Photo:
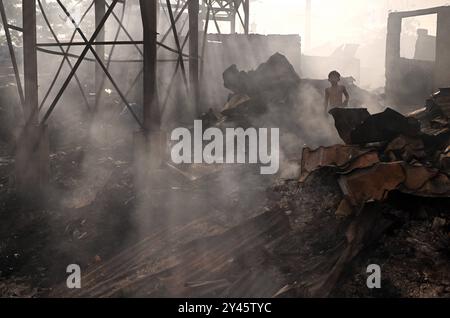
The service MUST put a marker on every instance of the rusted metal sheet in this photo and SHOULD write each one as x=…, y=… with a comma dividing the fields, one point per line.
x=364, y=161
x=347, y=158
x=374, y=184
x=416, y=176
x=400, y=153
x=405, y=148
x=438, y=186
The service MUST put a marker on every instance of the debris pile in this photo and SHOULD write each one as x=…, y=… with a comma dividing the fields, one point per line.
x=386, y=152
x=273, y=78
x=413, y=256
x=275, y=85
x=254, y=92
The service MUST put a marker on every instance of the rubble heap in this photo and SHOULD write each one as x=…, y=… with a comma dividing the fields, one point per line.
x=254, y=91
x=277, y=75
x=275, y=84
x=386, y=152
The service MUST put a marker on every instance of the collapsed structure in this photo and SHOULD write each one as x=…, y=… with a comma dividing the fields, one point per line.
x=307, y=232
x=410, y=80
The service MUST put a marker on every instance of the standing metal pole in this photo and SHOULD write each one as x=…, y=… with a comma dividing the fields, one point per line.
x=194, y=53
x=30, y=61
x=233, y=21
x=100, y=10
x=149, y=143
x=32, y=151
x=205, y=40
x=152, y=116
x=246, y=4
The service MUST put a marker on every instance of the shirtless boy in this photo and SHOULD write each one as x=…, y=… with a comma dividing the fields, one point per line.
x=334, y=94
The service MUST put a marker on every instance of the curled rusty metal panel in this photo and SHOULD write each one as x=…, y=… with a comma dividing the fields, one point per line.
x=372, y=184
x=405, y=148
x=346, y=158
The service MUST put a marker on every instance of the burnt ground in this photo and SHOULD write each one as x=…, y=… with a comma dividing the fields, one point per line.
x=39, y=238
x=89, y=215
x=413, y=253
x=90, y=226
x=412, y=250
